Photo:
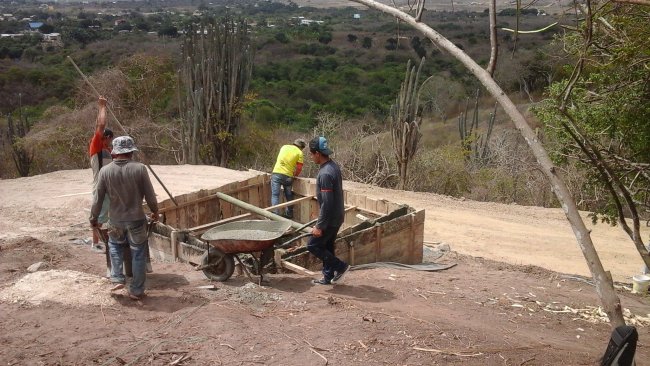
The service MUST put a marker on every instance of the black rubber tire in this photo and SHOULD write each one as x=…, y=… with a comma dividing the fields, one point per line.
x=224, y=270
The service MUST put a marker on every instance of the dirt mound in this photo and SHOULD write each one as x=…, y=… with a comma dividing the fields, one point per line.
x=24, y=242
x=65, y=287
x=16, y=254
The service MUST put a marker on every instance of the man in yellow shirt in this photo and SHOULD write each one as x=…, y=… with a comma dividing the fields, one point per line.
x=287, y=166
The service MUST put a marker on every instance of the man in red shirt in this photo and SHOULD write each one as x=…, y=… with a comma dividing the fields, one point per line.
x=100, y=156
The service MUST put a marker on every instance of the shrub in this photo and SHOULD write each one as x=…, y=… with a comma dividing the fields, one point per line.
x=441, y=170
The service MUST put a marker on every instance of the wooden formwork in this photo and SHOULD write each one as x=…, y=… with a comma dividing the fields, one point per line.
x=373, y=230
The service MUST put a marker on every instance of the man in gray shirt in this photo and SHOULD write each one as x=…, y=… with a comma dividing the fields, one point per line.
x=329, y=192
x=126, y=182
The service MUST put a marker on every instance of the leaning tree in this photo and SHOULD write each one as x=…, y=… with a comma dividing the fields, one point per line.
x=215, y=75
x=602, y=279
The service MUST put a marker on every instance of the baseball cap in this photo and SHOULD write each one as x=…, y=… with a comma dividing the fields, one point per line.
x=300, y=143
x=320, y=144
x=123, y=145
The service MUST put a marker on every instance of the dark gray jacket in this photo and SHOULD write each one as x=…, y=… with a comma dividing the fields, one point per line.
x=329, y=192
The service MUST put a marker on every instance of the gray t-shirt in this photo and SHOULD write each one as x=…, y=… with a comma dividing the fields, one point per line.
x=126, y=182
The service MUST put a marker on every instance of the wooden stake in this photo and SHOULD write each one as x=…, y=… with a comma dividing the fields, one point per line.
x=296, y=268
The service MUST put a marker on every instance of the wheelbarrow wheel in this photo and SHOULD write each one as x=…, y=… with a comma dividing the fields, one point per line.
x=220, y=266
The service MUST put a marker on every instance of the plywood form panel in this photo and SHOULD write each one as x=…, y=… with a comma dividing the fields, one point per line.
x=202, y=210
x=350, y=218
x=363, y=244
x=382, y=206
x=181, y=213
x=342, y=250
x=265, y=189
x=213, y=210
x=226, y=209
x=189, y=254
x=254, y=192
x=418, y=237
x=171, y=218
x=301, y=186
x=160, y=243
x=308, y=261
x=191, y=210
x=371, y=204
x=359, y=201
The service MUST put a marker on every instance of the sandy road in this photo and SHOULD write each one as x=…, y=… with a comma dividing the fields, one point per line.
x=51, y=203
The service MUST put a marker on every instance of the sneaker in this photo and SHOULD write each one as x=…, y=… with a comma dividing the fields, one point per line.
x=322, y=281
x=97, y=248
x=338, y=277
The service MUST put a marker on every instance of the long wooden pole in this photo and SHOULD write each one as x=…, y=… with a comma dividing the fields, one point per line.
x=121, y=127
x=260, y=211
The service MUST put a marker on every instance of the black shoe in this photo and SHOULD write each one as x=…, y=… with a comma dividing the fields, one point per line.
x=322, y=281
x=338, y=277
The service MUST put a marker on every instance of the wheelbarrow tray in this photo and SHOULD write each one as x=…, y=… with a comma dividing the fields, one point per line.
x=246, y=236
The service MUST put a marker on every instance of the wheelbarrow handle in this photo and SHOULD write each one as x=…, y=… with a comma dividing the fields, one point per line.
x=294, y=239
x=305, y=225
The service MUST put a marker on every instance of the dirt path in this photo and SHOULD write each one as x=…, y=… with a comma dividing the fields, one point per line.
x=516, y=234
x=492, y=308
x=509, y=233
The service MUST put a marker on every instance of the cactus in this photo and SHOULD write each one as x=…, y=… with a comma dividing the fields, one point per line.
x=216, y=74
x=405, y=120
x=473, y=143
x=16, y=133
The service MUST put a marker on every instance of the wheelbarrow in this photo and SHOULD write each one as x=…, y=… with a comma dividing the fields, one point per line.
x=250, y=236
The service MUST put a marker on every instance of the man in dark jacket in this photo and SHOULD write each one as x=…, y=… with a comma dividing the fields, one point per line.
x=126, y=182
x=329, y=192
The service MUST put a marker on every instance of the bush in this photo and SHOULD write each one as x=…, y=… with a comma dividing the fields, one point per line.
x=282, y=37
x=441, y=171
x=366, y=43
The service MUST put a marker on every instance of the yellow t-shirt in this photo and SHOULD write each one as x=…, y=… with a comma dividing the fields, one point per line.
x=288, y=157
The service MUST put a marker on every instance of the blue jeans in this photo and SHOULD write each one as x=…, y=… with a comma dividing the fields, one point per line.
x=323, y=249
x=133, y=234
x=281, y=181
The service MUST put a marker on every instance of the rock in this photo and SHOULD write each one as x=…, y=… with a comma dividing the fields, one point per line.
x=443, y=247
x=36, y=267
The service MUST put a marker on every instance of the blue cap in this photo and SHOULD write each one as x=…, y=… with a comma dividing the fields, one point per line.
x=320, y=144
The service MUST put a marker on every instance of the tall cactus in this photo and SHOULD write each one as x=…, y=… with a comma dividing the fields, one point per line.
x=473, y=143
x=216, y=73
x=405, y=119
x=16, y=133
